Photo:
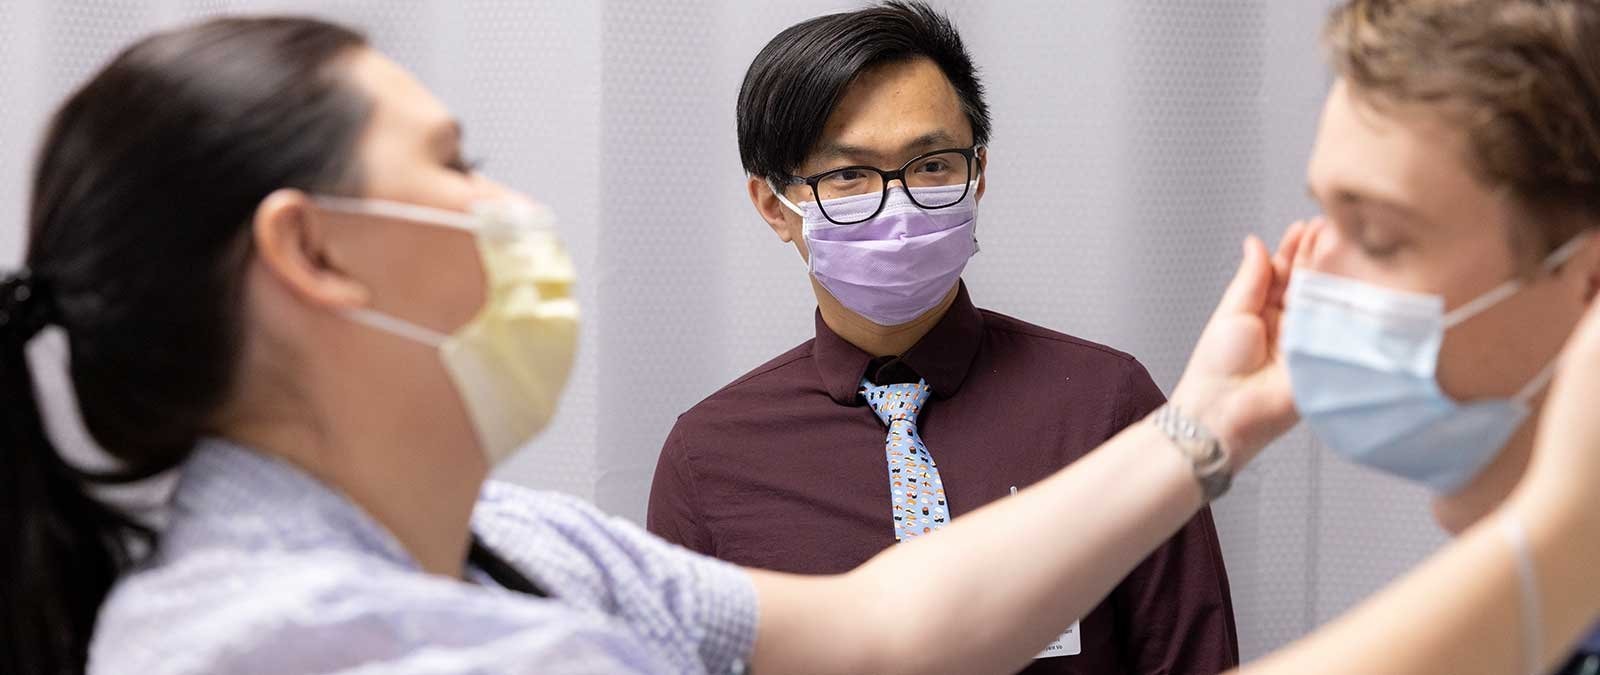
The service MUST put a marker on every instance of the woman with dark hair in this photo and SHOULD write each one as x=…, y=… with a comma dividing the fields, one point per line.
x=275, y=273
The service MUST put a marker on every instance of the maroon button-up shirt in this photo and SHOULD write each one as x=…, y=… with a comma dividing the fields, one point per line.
x=784, y=469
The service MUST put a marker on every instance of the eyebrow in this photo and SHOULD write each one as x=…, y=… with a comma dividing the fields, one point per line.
x=1355, y=198
x=930, y=141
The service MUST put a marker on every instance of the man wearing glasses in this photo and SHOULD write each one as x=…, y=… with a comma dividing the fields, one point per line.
x=863, y=135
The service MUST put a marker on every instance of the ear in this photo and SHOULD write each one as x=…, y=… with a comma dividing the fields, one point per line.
x=291, y=239
x=782, y=221
x=983, y=173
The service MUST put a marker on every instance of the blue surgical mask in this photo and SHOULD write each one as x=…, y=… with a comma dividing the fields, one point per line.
x=1363, y=363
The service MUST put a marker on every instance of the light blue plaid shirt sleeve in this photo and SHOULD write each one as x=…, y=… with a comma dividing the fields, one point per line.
x=662, y=591
x=265, y=570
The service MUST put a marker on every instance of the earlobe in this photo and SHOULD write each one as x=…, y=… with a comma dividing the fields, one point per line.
x=290, y=237
x=771, y=209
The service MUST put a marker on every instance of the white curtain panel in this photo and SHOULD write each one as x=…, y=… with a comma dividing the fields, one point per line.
x=1136, y=142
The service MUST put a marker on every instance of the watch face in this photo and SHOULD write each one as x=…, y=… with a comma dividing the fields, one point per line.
x=1204, y=451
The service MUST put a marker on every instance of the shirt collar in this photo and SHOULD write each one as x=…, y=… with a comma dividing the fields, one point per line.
x=232, y=495
x=942, y=357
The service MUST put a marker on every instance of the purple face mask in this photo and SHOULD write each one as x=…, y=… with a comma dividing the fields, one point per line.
x=901, y=263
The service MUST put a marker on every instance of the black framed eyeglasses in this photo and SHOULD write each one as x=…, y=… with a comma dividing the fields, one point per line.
x=947, y=168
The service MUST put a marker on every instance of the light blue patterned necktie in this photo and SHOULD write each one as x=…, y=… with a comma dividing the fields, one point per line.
x=915, y=489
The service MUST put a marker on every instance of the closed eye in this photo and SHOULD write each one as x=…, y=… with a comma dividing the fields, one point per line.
x=463, y=165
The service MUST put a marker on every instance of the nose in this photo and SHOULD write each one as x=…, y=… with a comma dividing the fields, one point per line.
x=488, y=189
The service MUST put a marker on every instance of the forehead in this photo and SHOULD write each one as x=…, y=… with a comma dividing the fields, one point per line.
x=895, y=103
x=1403, y=153
x=400, y=103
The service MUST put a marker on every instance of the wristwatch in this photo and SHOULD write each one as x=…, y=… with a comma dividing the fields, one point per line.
x=1203, y=449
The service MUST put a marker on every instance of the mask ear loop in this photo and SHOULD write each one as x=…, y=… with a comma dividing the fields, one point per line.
x=785, y=201
x=399, y=211
x=1483, y=302
x=1538, y=383
x=805, y=228
x=397, y=327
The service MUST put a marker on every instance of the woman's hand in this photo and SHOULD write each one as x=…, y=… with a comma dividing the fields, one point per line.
x=1236, y=384
x=1564, y=471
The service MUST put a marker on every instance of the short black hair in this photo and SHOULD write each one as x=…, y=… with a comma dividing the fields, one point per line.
x=796, y=81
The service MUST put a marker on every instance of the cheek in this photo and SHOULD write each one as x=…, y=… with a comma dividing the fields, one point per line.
x=433, y=278
x=1498, y=352
x=464, y=286
x=1475, y=360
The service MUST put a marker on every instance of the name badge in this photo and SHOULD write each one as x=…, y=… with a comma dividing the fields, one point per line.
x=1066, y=645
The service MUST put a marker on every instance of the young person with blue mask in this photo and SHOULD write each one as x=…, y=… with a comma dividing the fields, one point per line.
x=275, y=274
x=1458, y=164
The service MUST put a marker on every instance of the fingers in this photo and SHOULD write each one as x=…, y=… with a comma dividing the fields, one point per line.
x=1248, y=290
x=1289, y=247
x=1306, y=253
x=1283, y=263
x=1564, y=465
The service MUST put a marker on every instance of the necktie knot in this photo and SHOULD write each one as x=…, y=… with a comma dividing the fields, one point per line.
x=896, y=402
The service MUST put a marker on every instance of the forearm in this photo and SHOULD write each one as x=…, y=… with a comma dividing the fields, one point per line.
x=1460, y=612
x=995, y=586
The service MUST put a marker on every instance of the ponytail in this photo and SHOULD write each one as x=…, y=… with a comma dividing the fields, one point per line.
x=138, y=242
x=62, y=547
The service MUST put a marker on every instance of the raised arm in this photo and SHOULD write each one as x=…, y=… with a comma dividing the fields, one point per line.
x=994, y=587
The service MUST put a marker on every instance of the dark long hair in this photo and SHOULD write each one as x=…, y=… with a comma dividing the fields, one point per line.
x=138, y=238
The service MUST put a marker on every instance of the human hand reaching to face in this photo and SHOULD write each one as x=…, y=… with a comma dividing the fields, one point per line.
x=1236, y=383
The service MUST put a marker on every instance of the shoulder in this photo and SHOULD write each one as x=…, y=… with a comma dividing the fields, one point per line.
x=1044, y=360
x=553, y=529
x=684, y=600
x=779, y=368
x=1052, y=344
x=570, y=545
x=224, y=611
x=775, y=381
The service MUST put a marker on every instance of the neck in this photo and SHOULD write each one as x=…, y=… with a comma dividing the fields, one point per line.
x=1459, y=511
x=875, y=339
x=405, y=469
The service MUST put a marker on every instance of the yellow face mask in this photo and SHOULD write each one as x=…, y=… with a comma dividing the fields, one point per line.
x=511, y=361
